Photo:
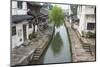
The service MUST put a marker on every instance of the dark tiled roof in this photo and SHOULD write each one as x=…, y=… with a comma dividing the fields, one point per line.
x=35, y=13
x=17, y=18
x=35, y=4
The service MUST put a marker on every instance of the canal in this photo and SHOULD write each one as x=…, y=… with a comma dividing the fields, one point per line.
x=58, y=50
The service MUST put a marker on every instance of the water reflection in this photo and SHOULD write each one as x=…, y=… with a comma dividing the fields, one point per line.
x=58, y=50
x=56, y=44
x=58, y=24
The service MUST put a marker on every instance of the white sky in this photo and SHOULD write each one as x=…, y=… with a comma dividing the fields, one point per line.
x=86, y=2
x=62, y=6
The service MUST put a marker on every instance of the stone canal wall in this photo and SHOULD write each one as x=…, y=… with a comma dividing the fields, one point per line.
x=69, y=41
x=40, y=50
x=79, y=54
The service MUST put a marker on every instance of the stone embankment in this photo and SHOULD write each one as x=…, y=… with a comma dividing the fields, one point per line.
x=24, y=54
x=79, y=54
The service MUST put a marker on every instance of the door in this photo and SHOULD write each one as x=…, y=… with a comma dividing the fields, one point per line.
x=24, y=32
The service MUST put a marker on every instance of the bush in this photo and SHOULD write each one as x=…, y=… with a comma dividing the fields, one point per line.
x=32, y=35
x=88, y=34
x=83, y=34
x=91, y=34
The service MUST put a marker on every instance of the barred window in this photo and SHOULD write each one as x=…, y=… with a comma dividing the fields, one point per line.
x=30, y=24
x=19, y=4
x=90, y=26
x=43, y=20
x=13, y=30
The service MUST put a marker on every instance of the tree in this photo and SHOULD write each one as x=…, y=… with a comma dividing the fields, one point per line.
x=56, y=15
x=56, y=44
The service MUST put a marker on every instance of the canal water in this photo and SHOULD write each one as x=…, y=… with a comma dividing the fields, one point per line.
x=58, y=50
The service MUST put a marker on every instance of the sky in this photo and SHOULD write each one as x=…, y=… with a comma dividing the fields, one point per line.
x=62, y=6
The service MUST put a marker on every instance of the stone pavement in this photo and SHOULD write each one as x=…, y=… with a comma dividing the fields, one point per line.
x=89, y=44
x=22, y=55
x=78, y=53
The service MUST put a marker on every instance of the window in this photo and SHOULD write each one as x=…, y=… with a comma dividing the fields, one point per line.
x=43, y=20
x=90, y=26
x=13, y=30
x=19, y=4
x=30, y=24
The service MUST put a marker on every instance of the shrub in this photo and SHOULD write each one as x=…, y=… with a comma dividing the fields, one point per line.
x=32, y=35
x=91, y=34
x=83, y=34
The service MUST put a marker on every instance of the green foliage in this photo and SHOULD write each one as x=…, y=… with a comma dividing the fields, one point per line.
x=91, y=34
x=32, y=35
x=56, y=15
x=83, y=33
x=56, y=44
x=88, y=34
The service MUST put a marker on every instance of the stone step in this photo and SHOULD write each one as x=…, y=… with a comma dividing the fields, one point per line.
x=87, y=50
x=37, y=54
x=38, y=49
x=86, y=45
x=36, y=58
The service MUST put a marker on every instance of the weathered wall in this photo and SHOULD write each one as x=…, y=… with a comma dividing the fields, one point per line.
x=17, y=11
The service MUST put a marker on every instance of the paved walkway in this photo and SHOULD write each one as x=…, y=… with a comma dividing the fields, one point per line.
x=23, y=54
x=78, y=53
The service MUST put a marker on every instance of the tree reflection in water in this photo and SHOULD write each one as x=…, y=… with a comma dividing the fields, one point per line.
x=56, y=44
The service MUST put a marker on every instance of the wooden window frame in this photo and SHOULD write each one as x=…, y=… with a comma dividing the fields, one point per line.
x=30, y=24
x=20, y=4
x=13, y=30
x=92, y=27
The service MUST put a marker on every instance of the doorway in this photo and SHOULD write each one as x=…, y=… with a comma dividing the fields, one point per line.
x=24, y=32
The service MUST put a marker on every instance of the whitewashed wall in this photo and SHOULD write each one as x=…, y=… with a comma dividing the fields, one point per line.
x=90, y=18
x=19, y=27
x=19, y=35
x=84, y=19
x=17, y=11
x=29, y=30
x=89, y=9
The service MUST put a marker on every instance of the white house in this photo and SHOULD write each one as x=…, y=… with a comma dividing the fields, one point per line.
x=86, y=15
x=70, y=13
x=40, y=14
x=21, y=25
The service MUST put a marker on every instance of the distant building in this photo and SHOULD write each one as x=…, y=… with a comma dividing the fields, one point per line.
x=73, y=13
x=40, y=14
x=21, y=25
x=87, y=20
x=47, y=6
x=70, y=13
